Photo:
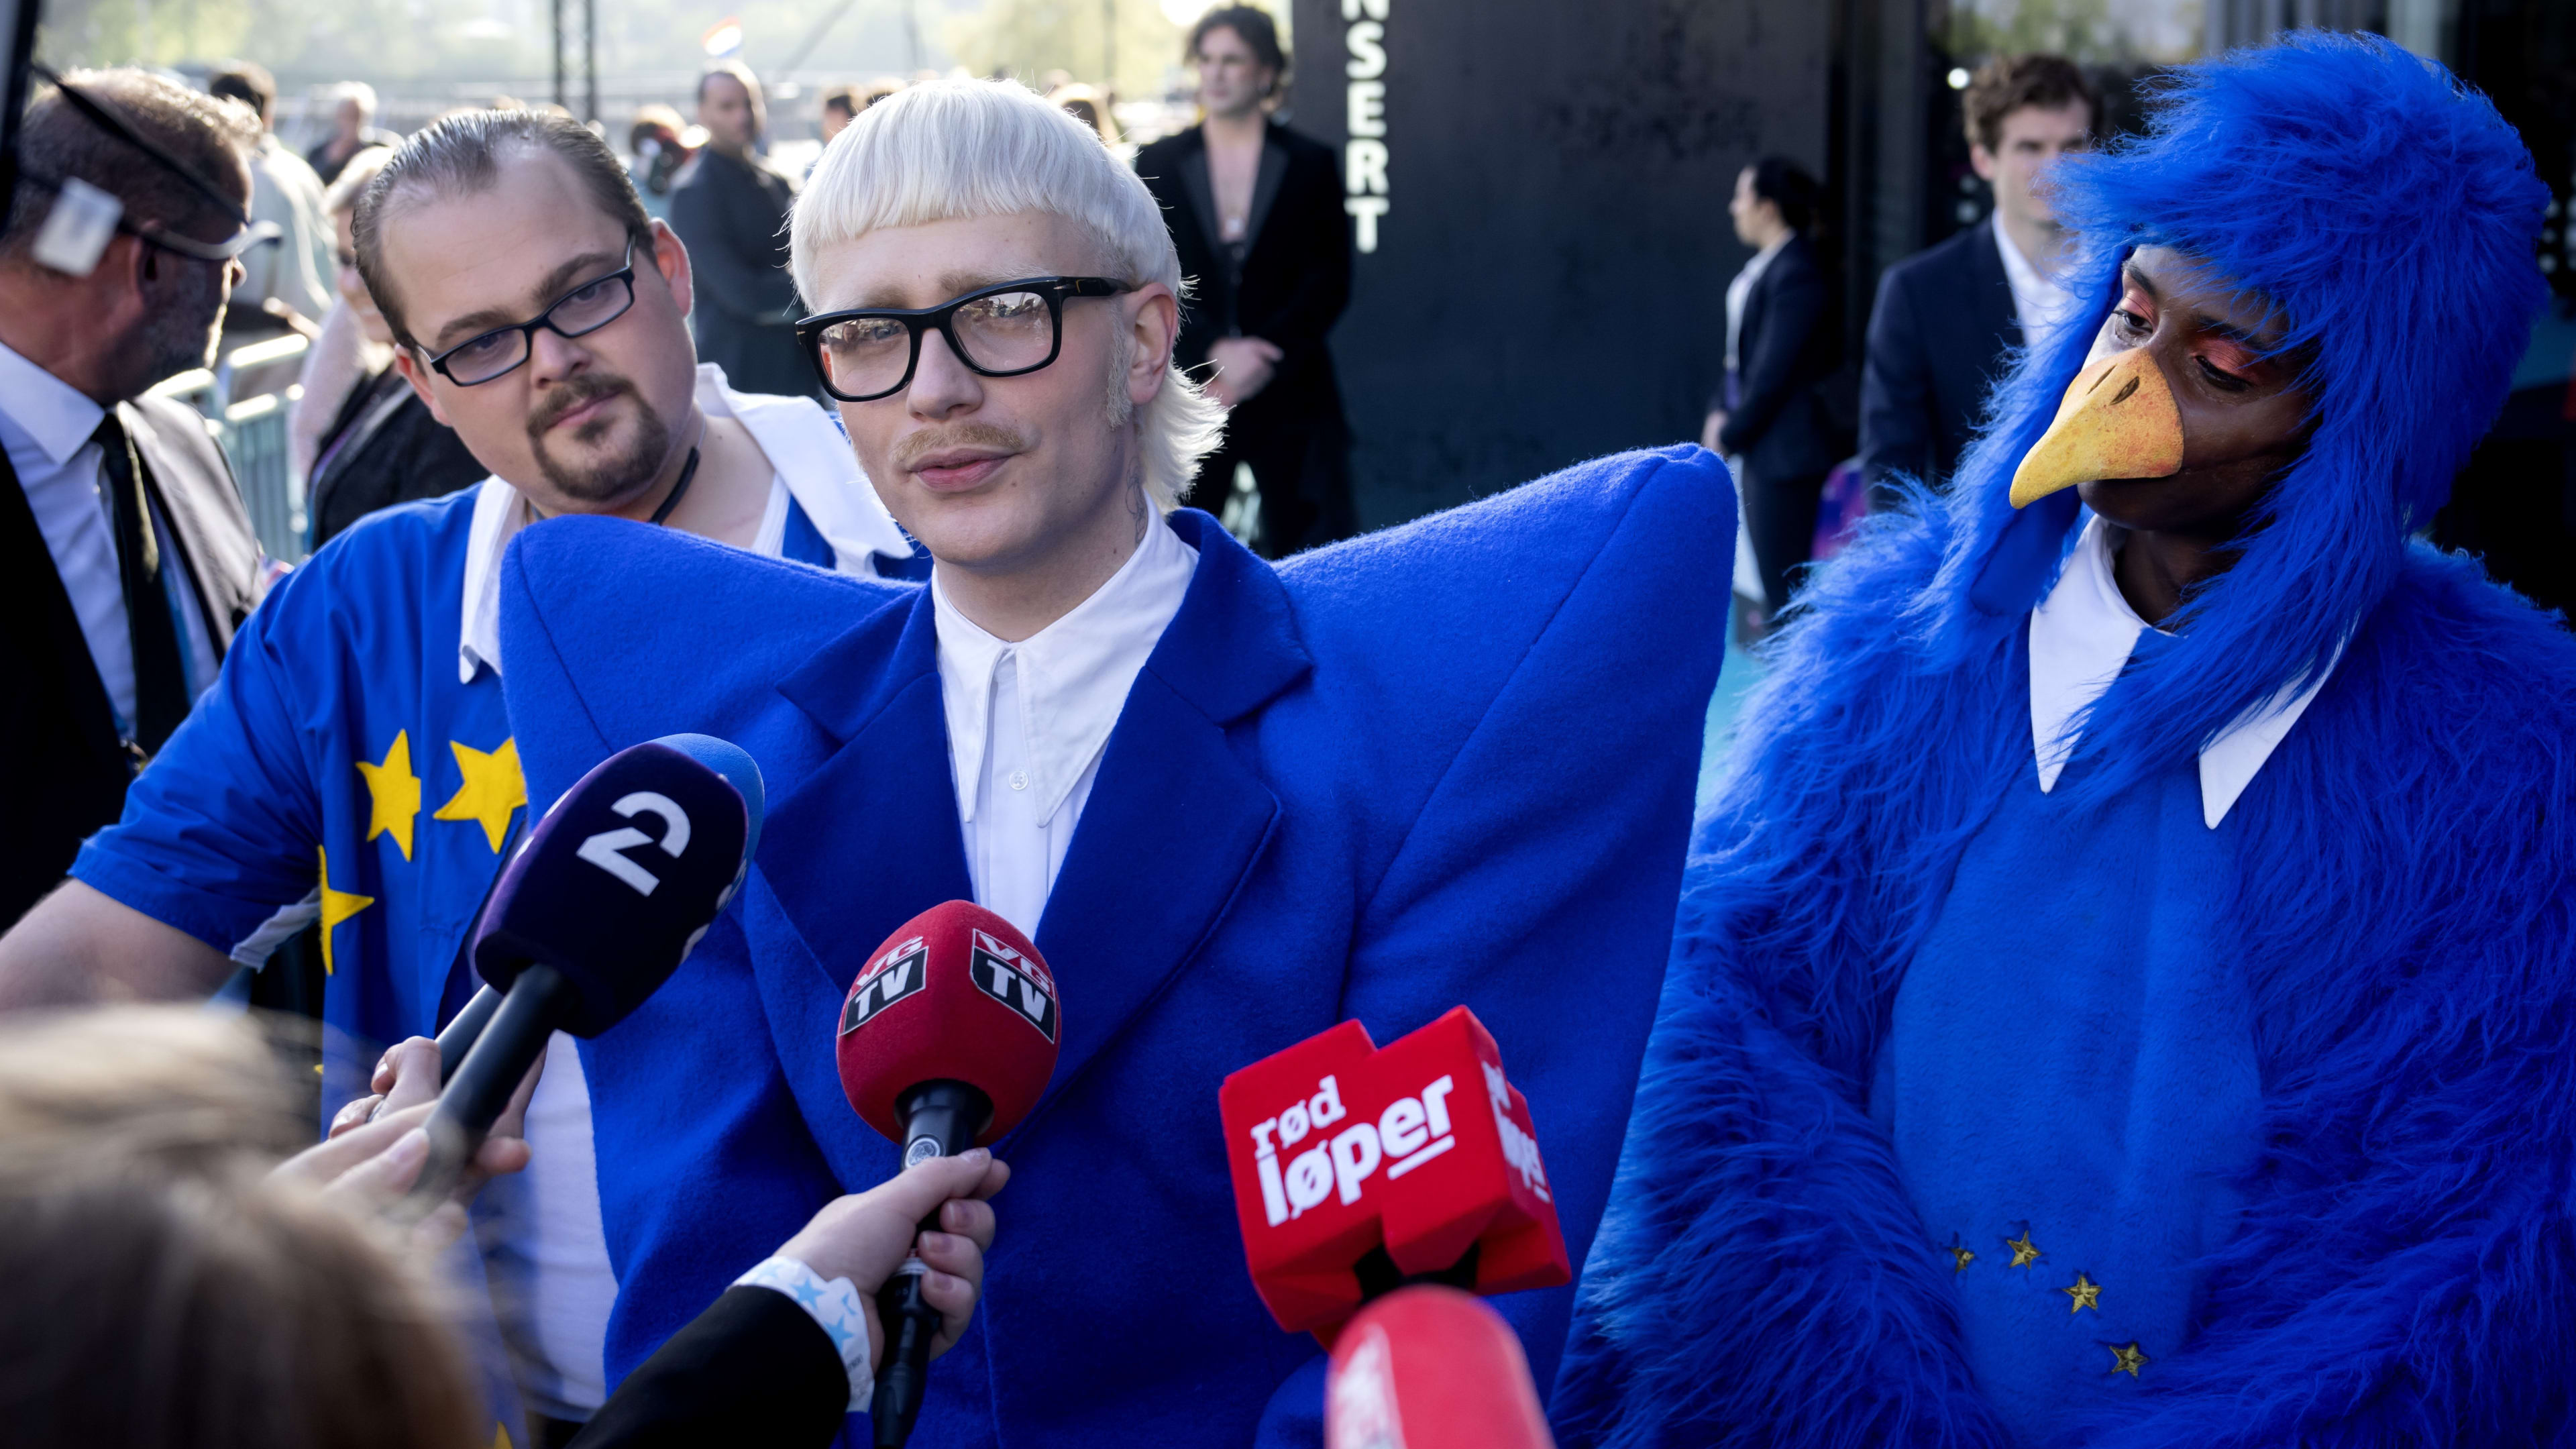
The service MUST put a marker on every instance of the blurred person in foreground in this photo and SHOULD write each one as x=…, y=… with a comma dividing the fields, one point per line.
x=657, y=146
x=1947, y=320
x=1234, y=802
x=174, y=1285
x=2125, y=994
x=284, y=286
x=131, y=560
x=1782, y=341
x=378, y=444
x=355, y=761
x=353, y=129
x=1256, y=213
x=730, y=207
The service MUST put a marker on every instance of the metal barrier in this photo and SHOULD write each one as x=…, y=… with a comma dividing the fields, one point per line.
x=252, y=433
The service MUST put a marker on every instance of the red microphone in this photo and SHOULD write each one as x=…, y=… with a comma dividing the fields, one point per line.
x=1356, y=1168
x=1428, y=1367
x=947, y=1039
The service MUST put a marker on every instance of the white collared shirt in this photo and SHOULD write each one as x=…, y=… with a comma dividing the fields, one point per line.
x=2041, y=303
x=1740, y=289
x=46, y=423
x=1027, y=722
x=812, y=465
x=2081, y=636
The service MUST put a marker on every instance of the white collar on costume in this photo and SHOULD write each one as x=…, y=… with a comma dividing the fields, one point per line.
x=2080, y=637
x=1073, y=675
x=806, y=453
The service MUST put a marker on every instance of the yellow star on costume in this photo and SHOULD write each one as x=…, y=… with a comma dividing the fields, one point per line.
x=2127, y=1359
x=393, y=793
x=493, y=788
x=2086, y=1293
x=500, y=1436
x=1960, y=1252
x=337, y=906
x=2024, y=1254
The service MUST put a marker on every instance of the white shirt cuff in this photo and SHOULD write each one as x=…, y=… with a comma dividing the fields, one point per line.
x=834, y=1307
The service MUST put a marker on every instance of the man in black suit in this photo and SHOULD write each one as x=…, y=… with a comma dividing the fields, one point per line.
x=130, y=560
x=730, y=208
x=1946, y=317
x=1781, y=342
x=1256, y=214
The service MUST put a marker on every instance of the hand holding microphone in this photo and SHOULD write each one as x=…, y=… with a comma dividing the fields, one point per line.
x=947, y=1039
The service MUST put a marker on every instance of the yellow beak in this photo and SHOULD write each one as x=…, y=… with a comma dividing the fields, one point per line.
x=2118, y=420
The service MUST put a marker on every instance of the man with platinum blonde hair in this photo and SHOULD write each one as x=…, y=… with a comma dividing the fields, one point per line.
x=1233, y=803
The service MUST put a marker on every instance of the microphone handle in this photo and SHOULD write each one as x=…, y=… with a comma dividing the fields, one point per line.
x=521, y=1025
x=940, y=1119
x=459, y=1037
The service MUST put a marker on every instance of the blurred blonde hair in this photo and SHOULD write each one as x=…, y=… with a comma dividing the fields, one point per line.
x=950, y=150
x=164, y=1292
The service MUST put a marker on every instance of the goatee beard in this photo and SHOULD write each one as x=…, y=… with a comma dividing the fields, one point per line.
x=616, y=475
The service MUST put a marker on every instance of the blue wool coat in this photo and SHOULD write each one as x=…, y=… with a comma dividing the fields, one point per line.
x=1448, y=763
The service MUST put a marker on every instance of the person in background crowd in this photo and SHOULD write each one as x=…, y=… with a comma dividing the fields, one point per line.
x=1256, y=211
x=1946, y=319
x=355, y=760
x=730, y=207
x=657, y=146
x=380, y=445
x=353, y=129
x=282, y=285
x=130, y=558
x=1089, y=105
x=1781, y=342
x=841, y=104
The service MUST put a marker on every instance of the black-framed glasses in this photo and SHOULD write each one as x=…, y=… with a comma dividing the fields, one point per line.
x=583, y=310
x=1000, y=331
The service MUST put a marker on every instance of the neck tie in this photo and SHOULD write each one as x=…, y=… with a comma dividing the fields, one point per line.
x=160, y=678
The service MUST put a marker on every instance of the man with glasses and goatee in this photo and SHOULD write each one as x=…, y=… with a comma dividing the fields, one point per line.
x=129, y=559
x=354, y=759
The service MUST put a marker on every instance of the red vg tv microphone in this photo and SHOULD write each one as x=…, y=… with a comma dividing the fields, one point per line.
x=1359, y=1168
x=1429, y=1367
x=947, y=1039
x=613, y=889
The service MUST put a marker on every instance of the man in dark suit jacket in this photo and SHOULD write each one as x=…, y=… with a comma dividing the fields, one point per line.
x=1781, y=344
x=1946, y=318
x=730, y=208
x=129, y=558
x=1256, y=214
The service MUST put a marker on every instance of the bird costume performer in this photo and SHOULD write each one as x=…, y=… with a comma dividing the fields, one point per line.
x=2123, y=995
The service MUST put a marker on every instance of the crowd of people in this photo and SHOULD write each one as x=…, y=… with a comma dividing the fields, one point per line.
x=2136, y=892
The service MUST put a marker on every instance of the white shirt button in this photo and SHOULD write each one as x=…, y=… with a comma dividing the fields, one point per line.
x=1019, y=779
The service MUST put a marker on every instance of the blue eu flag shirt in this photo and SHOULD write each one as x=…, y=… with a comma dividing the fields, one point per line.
x=354, y=761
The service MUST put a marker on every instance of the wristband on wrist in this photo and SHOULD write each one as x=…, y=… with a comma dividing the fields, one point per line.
x=834, y=1307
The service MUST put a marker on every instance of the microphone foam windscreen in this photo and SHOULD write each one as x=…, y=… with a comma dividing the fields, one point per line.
x=622, y=876
x=955, y=994
x=1429, y=1367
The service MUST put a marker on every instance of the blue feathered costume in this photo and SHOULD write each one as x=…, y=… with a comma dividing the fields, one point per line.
x=2311, y=1183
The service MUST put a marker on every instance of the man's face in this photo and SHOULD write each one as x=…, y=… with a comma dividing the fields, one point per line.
x=2028, y=140
x=835, y=120
x=2244, y=415
x=586, y=424
x=1002, y=474
x=350, y=120
x=178, y=301
x=725, y=109
x=1232, y=80
x=1744, y=207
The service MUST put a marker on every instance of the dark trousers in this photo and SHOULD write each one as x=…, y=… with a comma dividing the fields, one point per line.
x=1301, y=463
x=1780, y=520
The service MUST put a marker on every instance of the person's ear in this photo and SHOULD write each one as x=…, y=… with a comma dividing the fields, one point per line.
x=1982, y=160
x=416, y=372
x=671, y=259
x=1156, y=324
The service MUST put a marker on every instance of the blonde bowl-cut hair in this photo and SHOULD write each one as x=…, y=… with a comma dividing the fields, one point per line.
x=955, y=150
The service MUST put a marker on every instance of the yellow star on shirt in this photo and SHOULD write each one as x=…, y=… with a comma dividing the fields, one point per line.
x=2126, y=1359
x=2024, y=1254
x=393, y=793
x=493, y=788
x=1959, y=1252
x=337, y=906
x=2086, y=1293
